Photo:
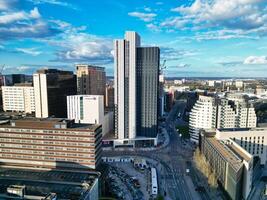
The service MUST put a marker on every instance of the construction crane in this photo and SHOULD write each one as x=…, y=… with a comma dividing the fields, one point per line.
x=2, y=69
x=2, y=78
x=163, y=66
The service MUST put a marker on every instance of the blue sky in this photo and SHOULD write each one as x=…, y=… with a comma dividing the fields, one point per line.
x=196, y=37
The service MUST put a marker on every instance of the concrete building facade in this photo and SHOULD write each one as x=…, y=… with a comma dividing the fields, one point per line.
x=91, y=80
x=133, y=86
x=50, y=144
x=232, y=111
x=89, y=109
x=231, y=164
x=18, y=99
x=51, y=88
x=253, y=140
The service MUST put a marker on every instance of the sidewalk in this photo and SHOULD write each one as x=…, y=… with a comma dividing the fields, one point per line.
x=165, y=144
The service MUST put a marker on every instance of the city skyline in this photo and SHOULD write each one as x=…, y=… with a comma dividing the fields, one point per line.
x=196, y=37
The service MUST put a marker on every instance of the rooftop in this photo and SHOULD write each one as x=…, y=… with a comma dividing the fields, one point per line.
x=48, y=123
x=66, y=185
x=242, y=129
x=226, y=153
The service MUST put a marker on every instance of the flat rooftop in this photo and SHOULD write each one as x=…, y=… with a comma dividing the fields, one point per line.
x=48, y=123
x=226, y=153
x=242, y=129
x=67, y=185
x=238, y=152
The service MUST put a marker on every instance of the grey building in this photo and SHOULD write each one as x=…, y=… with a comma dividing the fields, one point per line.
x=231, y=164
x=147, y=84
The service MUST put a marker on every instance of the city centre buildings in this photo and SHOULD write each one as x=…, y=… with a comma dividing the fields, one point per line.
x=89, y=109
x=51, y=88
x=18, y=99
x=50, y=144
x=232, y=111
x=231, y=164
x=136, y=83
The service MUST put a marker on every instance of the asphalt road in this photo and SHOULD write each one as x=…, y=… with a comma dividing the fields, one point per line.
x=173, y=158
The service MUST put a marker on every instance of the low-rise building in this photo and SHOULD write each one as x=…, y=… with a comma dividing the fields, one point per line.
x=89, y=109
x=34, y=184
x=50, y=144
x=231, y=164
x=253, y=140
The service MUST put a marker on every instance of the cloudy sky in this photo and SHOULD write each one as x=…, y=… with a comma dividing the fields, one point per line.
x=196, y=37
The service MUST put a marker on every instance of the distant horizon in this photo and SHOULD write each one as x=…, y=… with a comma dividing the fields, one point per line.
x=176, y=77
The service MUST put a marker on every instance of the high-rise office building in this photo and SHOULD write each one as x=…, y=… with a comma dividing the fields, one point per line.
x=18, y=99
x=147, y=91
x=233, y=111
x=51, y=88
x=136, y=90
x=91, y=80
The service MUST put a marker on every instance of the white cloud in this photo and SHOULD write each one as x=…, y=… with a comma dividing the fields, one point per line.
x=147, y=9
x=77, y=46
x=6, y=4
x=29, y=51
x=23, y=24
x=256, y=60
x=153, y=27
x=223, y=35
x=18, y=16
x=175, y=22
x=53, y=2
x=147, y=17
x=231, y=14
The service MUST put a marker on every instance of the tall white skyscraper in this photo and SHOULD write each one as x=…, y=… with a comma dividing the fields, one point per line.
x=136, y=82
x=125, y=85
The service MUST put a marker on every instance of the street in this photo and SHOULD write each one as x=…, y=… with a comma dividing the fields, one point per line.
x=173, y=158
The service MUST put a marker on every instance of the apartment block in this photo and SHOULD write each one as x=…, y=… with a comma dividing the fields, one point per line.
x=109, y=97
x=231, y=111
x=18, y=99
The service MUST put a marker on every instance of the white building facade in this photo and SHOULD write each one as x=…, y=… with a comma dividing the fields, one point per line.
x=136, y=79
x=18, y=99
x=228, y=112
x=41, y=97
x=89, y=109
x=125, y=85
x=202, y=116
